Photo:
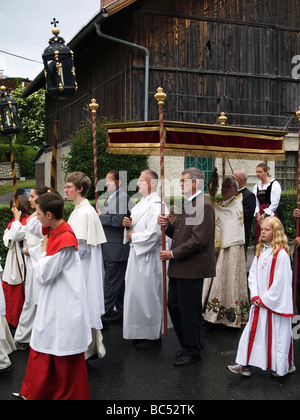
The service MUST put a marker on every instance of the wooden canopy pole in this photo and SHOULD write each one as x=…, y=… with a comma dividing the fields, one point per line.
x=54, y=151
x=13, y=170
x=160, y=97
x=297, y=220
x=93, y=107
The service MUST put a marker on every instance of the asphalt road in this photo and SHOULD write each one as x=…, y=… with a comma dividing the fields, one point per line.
x=131, y=375
x=5, y=198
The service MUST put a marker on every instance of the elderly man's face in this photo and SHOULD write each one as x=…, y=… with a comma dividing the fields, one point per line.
x=228, y=189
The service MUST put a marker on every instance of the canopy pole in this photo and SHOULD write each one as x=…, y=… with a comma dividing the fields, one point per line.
x=160, y=97
x=297, y=220
x=93, y=107
x=54, y=151
x=13, y=170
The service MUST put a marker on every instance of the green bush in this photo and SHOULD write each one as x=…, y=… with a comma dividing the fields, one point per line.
x=81, y=156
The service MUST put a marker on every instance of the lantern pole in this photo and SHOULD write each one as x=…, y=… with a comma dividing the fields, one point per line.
x=13, y=171
x=160, y=97
x=93, y=107
x=54, y=151
x=297, y=220
x=10, y=126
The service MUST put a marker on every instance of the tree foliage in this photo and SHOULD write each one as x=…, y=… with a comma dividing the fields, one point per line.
x=32, y=112
x=81, y=157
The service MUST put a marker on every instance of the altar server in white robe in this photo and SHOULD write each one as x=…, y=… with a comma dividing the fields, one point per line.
x=267, y=341
x=143, y=301
x=90, y=235
x=32, y=235
x=61, y=332
x=7, y=345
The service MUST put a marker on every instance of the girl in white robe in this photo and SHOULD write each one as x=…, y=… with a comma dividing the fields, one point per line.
x=14, y=275
x=266, y=342
x=32, y=234
x=7, y=345
x=31, y=242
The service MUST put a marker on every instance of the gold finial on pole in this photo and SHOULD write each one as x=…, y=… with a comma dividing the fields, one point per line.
x=93, y=106
x=298, y=114
x=223, y=118
x=160, y=96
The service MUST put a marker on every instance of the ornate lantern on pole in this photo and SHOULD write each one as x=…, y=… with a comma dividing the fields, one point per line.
x=59, y=67
x=60, y=81
x=10, y=125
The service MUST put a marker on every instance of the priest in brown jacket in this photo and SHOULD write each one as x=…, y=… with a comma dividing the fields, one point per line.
x=191, y=259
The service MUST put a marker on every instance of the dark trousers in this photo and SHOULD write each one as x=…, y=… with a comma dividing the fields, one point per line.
x=185, y=308
x=114, y=287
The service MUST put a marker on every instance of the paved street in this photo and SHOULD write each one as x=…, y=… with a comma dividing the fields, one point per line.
x=126, y=374
x=5, y=198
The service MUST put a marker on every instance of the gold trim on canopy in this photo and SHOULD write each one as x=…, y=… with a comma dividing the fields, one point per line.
x=189, y=139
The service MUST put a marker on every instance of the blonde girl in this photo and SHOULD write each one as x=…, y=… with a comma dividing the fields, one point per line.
x=267, y=342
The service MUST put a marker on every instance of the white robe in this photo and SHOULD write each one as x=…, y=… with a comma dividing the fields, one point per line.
x=90, y=235
x=7, y=345
x=273, y=334
x=31, y=234
x=14, y=268
x=143, y=301
x=62, y=325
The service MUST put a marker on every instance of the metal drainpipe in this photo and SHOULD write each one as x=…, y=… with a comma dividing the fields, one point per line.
x=129, y=44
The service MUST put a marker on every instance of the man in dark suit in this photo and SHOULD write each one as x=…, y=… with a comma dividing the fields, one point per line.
x=249, y=202
x=191, y=259
x=115, y=253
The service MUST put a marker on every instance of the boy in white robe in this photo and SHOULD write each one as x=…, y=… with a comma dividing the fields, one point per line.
x=143, y=301
x=61, y=332
x=90, y=235
x=267, y=341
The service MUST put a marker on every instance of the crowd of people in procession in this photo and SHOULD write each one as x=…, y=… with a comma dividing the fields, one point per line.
x=64, y=282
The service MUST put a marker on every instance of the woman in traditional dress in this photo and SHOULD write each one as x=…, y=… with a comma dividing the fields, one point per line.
x=225, y=297
x=268, y=193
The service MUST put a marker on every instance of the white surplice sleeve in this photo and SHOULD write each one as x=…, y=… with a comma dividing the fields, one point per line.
x=279, y=297
x=252, y=280
x=50, y=267
x=275, y=199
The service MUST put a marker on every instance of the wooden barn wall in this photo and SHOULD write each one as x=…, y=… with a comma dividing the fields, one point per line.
x=208, y=55
x=232, y=56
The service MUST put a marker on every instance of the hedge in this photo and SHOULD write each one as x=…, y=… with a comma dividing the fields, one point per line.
x=288, y=204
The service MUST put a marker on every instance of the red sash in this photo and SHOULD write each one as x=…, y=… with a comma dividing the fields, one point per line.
x=61, y=237
x=23, y=221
